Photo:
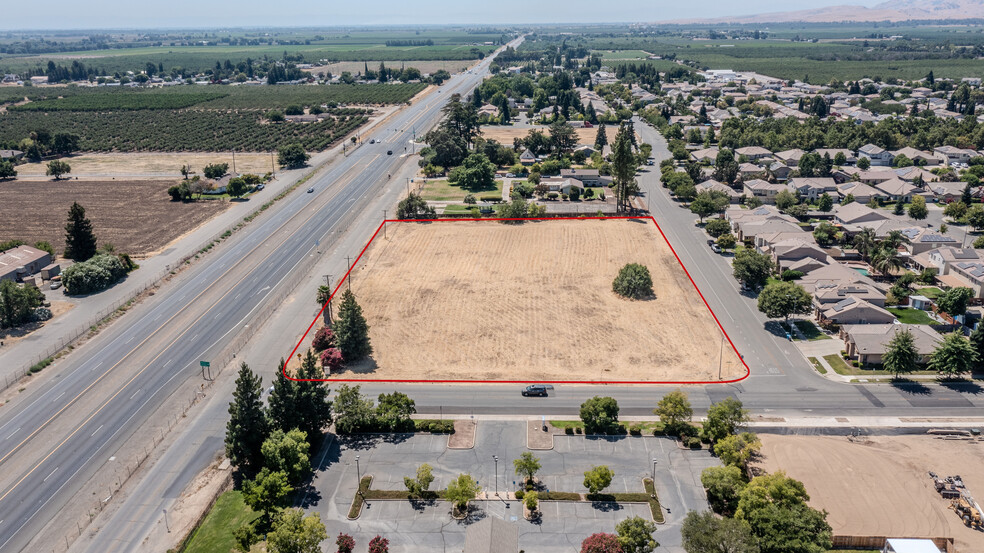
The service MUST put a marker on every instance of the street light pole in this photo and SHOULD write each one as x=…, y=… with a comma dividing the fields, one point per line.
x=654, y=472
x=721, y=356
x=166, y=525
x=496, y=459
x=358, y=475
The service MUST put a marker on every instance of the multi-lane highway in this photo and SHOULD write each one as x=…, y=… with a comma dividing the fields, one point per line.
x=52, y=441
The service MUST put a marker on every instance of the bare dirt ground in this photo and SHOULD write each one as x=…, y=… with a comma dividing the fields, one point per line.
x=505, y=135
x=149, y=165
x=451, y=66
x=136, y=217
x=882, y=488
x=477, y=300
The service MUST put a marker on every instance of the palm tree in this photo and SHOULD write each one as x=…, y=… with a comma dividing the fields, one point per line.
x=895, y=239
x=886, y=260
x=865, y=242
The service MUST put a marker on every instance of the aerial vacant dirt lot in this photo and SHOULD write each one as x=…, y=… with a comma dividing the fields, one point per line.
x=152, y=165
x=882, y=488
x=486, y=300
x=136, y=217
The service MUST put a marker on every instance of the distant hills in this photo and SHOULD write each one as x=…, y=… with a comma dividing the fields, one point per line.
x=892, y=10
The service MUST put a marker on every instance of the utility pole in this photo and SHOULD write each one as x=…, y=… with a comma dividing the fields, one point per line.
x=326, y=314
x=384, y=223
x=408, y=186
x=721, y=356
x=273, y=167
x=234, y=162
x=349, y=279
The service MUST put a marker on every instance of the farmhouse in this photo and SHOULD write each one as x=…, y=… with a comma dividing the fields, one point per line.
x=11, y=155
x=22, y=261
x=588, y=177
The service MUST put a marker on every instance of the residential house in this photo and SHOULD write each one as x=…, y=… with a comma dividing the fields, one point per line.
x=706, y=155
x=853, y=310
x=790, y=157
x=970, y=274
x=527, y=157
x=832, y=272
x=813, y=188
x=787, y=252
x=952, y=154
x=780, y=170
x=588, y=177
x=856, y=213
x=827, y=293
x=920, y=239
x=561, y=185
x=868, y=343
x=876, y=155
x=946, y=192
x=764, y=190
x=753, y=152
x=919, y=157
x=897, y=188
x=733, y=195
x=488, y=110
x=849, y=156
x=862, y=192
x=750, y=171
x=14, y=155
x=943, y=257
x=875, y=176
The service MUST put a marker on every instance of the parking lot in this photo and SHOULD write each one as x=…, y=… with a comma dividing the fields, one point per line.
x=429, y=526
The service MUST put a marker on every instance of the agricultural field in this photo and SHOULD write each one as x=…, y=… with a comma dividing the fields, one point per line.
x=534, y=301
x=149, y=165
x=426, y=67
x=881, y=487
x=136, y=217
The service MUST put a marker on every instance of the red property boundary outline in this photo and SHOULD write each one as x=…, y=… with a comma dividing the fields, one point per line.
x=470, y=381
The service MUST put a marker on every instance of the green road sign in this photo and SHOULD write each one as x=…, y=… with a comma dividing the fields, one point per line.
x=204, y=363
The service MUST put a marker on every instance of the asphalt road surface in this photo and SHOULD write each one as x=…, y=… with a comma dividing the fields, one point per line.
x=53, y=441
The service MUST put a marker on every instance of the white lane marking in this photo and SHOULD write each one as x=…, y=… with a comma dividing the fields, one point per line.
x=168, y=363
x=219, y=314
x=135, y=394
x=97, y=430
x=49, y=476
x=14, y=432
x=130, y=339
x=59, y=395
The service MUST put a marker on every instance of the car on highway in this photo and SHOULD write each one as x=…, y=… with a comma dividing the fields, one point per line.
x=310, y=190
x=535, y=390
x=389, y=152
x=373, y=141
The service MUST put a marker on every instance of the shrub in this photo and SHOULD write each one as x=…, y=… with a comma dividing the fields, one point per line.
x=635, y=430
x=520, y=494
x=469, y=199
x=633, y=281
x=324, y=338
x=332, y=360
x=578, y=430
x=692, y=443
x=96, y=274
x=569, y=431
x=553, y=195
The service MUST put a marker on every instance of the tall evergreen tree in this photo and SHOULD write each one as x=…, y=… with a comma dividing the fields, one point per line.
x=80, y=241
x=311, y=399
x=247, y=426
x=966, y=196
x=623, y=169
x=352, y=330
x=601, y=139
x=282, y=409
x=901, y=356
x=977, y=342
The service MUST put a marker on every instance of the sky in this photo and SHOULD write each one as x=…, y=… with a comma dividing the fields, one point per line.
x=127, y=14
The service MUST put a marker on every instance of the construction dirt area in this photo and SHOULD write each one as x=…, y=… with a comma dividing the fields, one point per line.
x=881, y=486
x=149, y=165
x=136, y=217
x=532, y=302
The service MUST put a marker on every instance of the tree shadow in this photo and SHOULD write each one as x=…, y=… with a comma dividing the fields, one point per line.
x=420, y=505
x=310, y=496
x=911, y=387
x=606, y=506
x=365, y=442
x=472, y=515
x=963, y=386
x=776, y=329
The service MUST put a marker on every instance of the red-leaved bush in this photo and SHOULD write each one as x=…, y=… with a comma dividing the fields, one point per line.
x=379, y=545
x=345, y=543
x=331, y=360
x=323, y=339
x=601, y=543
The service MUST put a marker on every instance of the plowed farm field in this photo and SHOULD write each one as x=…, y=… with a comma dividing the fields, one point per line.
x=136, y=217
x=881, y=487
x=490, y=301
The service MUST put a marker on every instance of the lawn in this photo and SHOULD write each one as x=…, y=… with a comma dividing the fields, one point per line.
x=215, y=532
x=930, y=292
x=911, y=316
x=810, y=330
x=457, y=209
x=817, y=365
x=837, y=363
x=440, y=190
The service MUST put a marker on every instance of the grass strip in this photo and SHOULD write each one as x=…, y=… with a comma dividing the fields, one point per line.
x=358, y=500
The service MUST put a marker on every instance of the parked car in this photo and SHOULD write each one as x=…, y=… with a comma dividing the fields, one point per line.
x=310, y=190
x=55, y=284
x=715, y=248
x=535, y=390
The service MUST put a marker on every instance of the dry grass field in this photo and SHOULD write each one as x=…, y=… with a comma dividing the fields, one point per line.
x=148, y=165
x=505, y=135
x=137, y=217
x=882, y=488
x=529, y=302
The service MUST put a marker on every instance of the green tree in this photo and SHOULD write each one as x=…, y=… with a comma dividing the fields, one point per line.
x=562, y=137
x=292, y=156
x=785, y=200
x=598, y=478
x=825, y=203
x=717, y=227
x=954, y=300
x=7, y=170
x=421, y=482
x=215, y=170
x=414, y=207
x=275, y=116
x=723, y=485
x=57, y=168
x=247, y=427
x=268, y=492
x=601, y=138
x=295, y=533
x=737, y=449
x=774, y=508
x=899, y=206
x=635, y=534
x=527, y=465
x=352, y=330
x=18, y=303
x=64, y=143
x=353, y=411
x=282, y=410
x=393, y=412
x=727, y=241
x=311, y=399
x=706, y=533
x=600, y=415
x=633, y=281
x=901, y=356
x=475, y=173
x=725, y=166
x=865, y=242
x=975, y=217
x=236, y=187
x=953, y=356
x=80, y=241
x=864, y=163
x=917, y=208
x=955, y=210
x=977, y=342
x=703, y=205
x=623, y=168
x=461, y=490
x=825, y=234
x=674, y=410
x=288, y=452
x=724, y=418
x=782, y=299
x=752, y=268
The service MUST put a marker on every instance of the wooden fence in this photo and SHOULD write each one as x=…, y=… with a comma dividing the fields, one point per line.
x=877, y=542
